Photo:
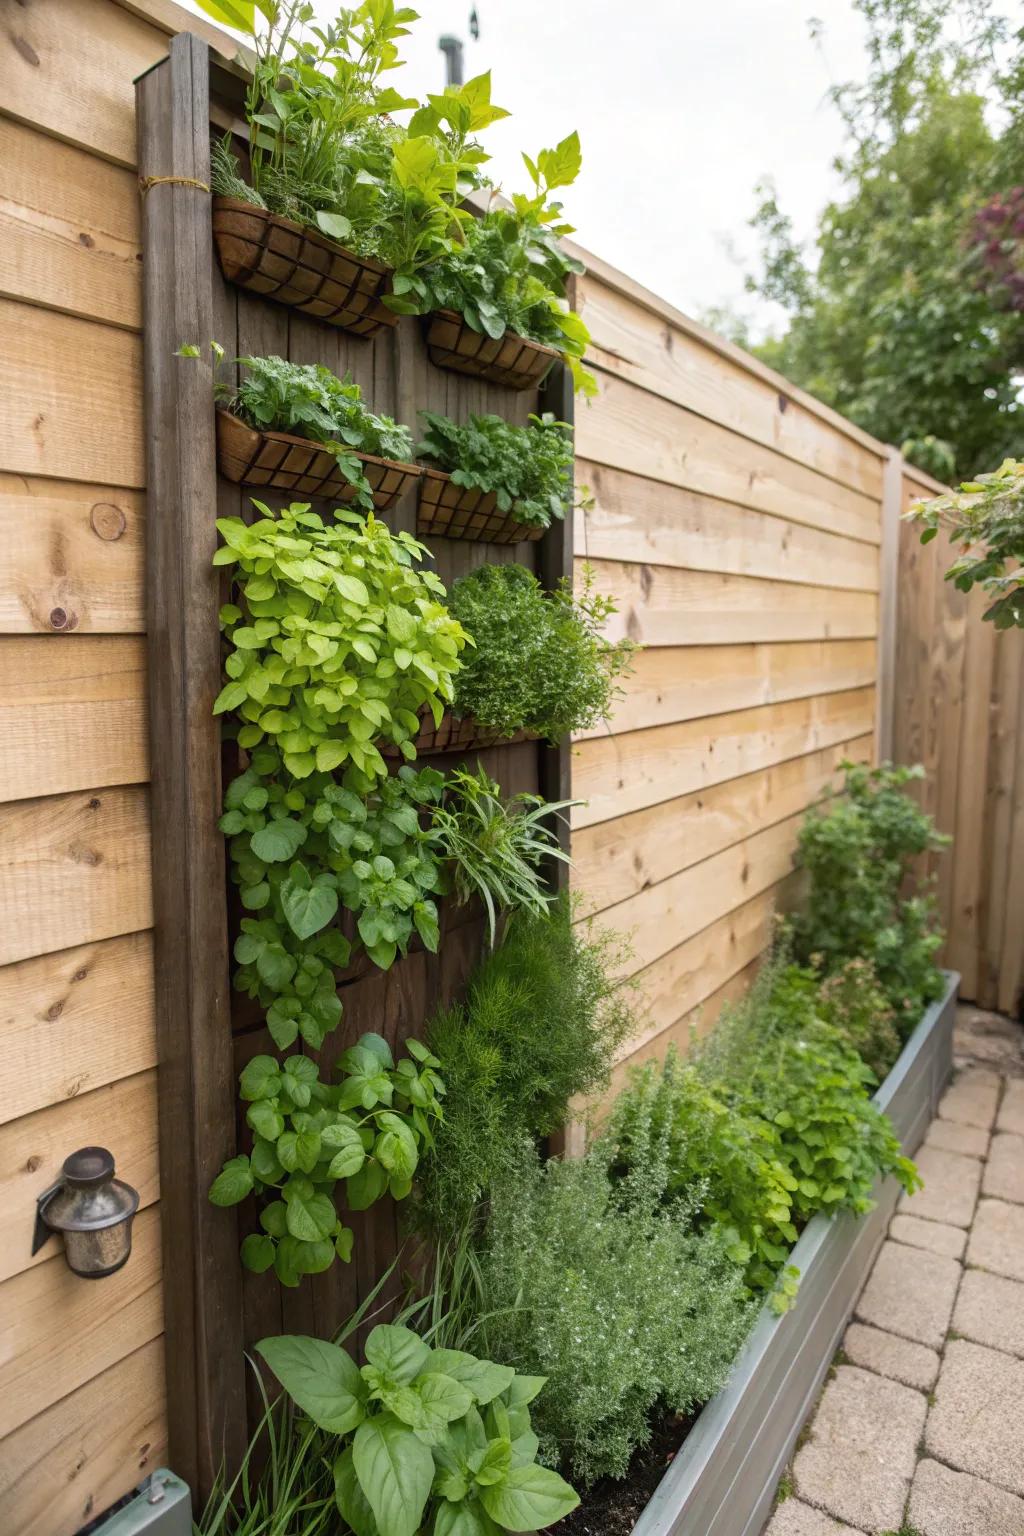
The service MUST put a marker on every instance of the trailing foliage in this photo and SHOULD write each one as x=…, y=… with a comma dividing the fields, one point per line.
x=367, y=1130
x=618, y=1303
x=986, y=519
x=423, y=1437
x=308, y=399
x=529, y=469
x=541, y=1022
x=859, y=854
x=540, y=662
x=336, y=640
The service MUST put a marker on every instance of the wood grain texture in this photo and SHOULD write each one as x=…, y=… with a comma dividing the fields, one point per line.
x=73, y=1021
x=40, y=1366
x=669, y=360
x=73, y=557
x=69, y=229
x=631, y=429
x=659, y=605
x=616, y=775
x=76, y=868
x=616, y=859
x=48, y=426
x=672, y=683
x=121, y=1117
x=636, y=519
x=77, y=1458
x=72, y=713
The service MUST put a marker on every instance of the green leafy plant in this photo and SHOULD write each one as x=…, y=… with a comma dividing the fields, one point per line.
x=336, y=640
x=497, y=847
x=852, y=1001
x=423, y=1436
x=540, y=662
x=986, y=519
x=368, y=1129
x=860, y=855
x=542, y=1021
x=528, y=469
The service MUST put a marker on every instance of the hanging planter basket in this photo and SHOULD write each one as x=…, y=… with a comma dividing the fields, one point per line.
x=512, y=360
x=299, y=267
x=454, y=735
x=450, y=511
x=294, y=465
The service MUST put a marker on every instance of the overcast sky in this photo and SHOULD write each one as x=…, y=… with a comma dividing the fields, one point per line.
x=681, y=108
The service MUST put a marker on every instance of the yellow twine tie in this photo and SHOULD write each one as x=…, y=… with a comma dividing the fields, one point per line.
x=145, y=182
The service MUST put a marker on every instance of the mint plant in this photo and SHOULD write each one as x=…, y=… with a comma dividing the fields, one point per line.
x=528, y=469
x=336, y=640
x=425, y=1438
x=368, y=1130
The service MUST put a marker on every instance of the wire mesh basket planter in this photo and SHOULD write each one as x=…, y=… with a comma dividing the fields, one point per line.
x=512, y=360
x=450, y=511
x=299, y=267
x=298, y=467
x=454, y=735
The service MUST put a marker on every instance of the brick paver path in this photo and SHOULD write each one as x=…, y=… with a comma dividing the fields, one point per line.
x=920, y=1428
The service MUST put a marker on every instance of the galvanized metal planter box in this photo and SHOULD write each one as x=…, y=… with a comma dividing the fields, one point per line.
x=723, y=1480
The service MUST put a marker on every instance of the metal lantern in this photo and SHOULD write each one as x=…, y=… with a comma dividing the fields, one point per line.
x=92, y=1210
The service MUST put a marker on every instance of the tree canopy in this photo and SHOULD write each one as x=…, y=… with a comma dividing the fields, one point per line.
x=908, y=315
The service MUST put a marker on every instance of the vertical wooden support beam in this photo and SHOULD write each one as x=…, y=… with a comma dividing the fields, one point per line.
x=888, y=605
x=201, y=1275
x=556, y=557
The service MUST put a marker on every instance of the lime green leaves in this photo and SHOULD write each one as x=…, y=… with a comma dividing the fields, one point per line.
x=431, y=1438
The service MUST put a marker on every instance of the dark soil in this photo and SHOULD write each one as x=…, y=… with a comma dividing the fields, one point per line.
x=612, y=1507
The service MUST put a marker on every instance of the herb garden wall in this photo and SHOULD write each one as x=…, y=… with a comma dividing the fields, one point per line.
x=736, y=523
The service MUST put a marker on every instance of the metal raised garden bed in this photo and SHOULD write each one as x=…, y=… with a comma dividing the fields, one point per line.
x=723, y=1480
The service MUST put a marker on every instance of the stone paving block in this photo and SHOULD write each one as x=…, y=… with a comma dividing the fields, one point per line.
x=860, y=1455
x=1011, y=1110
x=951, y=1136
x=914, y=1364
x=933, y=1235
x=910, y=1292
x=950, y=1190
x=792, y=1518
x=1004, y=1171
x=976, y=1424
x=997, y=1238
x=990, y=1310
x=973, y=1098
x=988, y=1039
x=948, y=1503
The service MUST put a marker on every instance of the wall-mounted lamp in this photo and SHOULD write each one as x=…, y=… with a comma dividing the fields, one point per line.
x=92, y=1210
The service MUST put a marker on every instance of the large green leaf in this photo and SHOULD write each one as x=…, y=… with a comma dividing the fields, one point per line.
x=443, y=1399
x=350, y=1498
x=233, y=1182
x=311, y=1219
x=484, y=1378
x=323, y=1379
x=397, y=1352
x=278, y=840
x=463, y=1520
x=240, y=14
x=395, y=1471
x=308, y=909
x=529, y=1498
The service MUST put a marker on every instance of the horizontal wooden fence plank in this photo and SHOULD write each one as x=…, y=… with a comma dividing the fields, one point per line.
x=671, y=683
x=73, y=1021
x=83, y=1334
x=615, y=775
x=630, y=429
x=72, y=713
x=616, y=859
x=635, y=519
x=70, y=403
x=72, y=1461
x=658, y=919
x=659, y=605
x=73, y=557
x=76, y=868
x=120, y=1117
x=650, y=351
x=69, y=229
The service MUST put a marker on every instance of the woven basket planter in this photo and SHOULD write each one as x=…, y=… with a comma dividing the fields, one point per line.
x=450, y=511
x=277, y=461
x=454, y=735
x=513, y=360
x=300, y=267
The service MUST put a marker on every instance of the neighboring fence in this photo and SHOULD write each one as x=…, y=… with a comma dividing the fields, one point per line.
x=737, y=522
x=959, y=712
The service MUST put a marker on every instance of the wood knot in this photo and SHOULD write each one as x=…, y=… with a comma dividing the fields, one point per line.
x=86, y=240
x=783, y=404
x=80, y=975
x=94, y=803
x=89, y=856
x=108, y=522
x=63, y=619
x=34, y=1164
x=55, y=1009
x=27, y=52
